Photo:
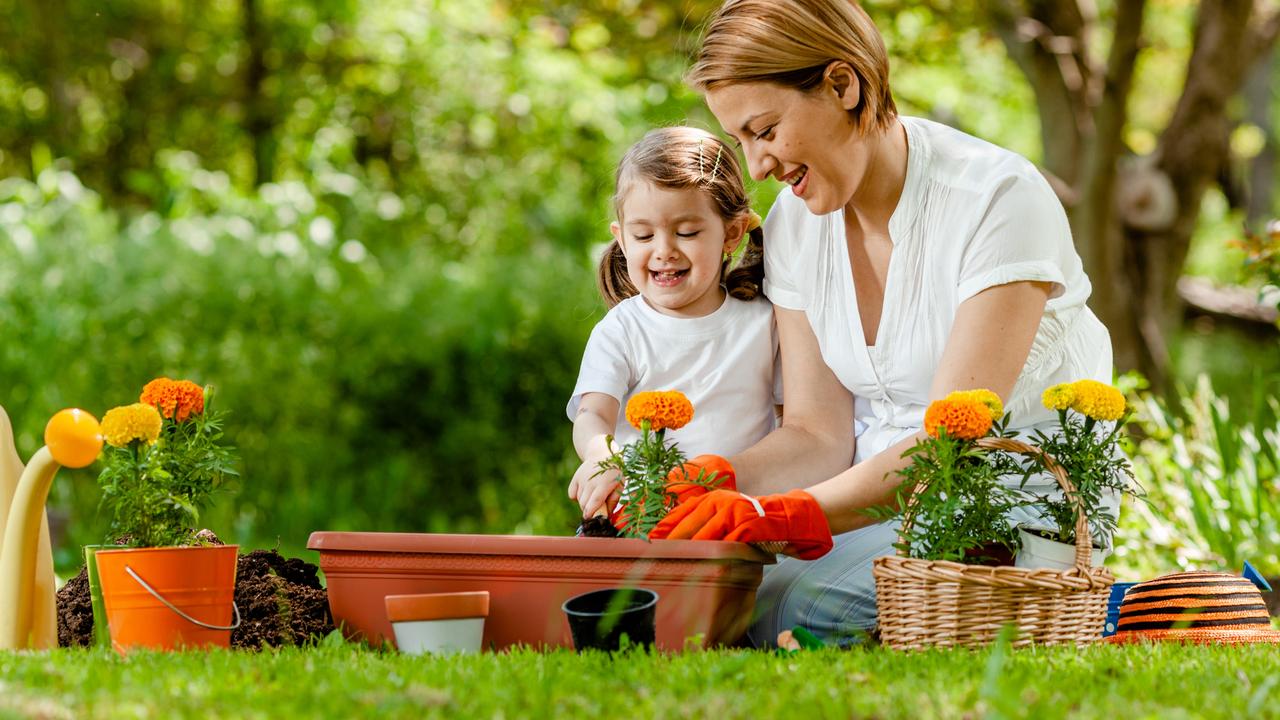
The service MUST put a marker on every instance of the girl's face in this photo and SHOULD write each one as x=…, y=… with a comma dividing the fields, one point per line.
x=805, y=139
x=674, y=241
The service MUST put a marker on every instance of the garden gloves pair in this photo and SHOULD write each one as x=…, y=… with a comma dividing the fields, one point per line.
x=726, y=514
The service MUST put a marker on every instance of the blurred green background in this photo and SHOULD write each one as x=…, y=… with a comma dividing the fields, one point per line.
x=371, y=226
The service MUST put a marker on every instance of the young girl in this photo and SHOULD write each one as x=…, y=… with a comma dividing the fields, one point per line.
x=680, y=320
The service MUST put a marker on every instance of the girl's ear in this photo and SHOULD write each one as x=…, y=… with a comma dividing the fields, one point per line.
x=616, y=231
x=733, y=232
x=843, y=80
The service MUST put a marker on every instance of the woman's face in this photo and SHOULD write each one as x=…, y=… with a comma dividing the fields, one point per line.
x=805, y=139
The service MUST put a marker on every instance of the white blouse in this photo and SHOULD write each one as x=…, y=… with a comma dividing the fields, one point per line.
x=971, y=216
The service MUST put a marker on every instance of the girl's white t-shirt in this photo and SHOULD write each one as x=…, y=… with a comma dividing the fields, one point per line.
x=726, y=363
x=971, y=216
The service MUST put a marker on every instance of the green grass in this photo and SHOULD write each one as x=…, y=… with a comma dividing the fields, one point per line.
x=348, y=681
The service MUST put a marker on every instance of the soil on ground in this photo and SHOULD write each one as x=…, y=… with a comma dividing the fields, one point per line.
x=281, y=602
x=75, y=612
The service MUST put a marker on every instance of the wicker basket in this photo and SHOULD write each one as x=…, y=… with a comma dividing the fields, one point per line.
x=936, y=603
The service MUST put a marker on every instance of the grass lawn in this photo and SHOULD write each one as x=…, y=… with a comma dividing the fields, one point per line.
x=348, y=681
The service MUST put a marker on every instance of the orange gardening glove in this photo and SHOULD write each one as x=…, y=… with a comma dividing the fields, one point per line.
x=712, y=466
x=794, y=518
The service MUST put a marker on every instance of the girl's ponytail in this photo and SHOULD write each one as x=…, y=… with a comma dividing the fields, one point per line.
x=615, y=285
x=743, y=281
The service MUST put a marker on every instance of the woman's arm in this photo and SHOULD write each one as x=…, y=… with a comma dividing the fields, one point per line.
x=815, y=440
x=987, y=348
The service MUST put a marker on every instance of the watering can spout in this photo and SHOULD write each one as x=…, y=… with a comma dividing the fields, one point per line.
x=27, y=603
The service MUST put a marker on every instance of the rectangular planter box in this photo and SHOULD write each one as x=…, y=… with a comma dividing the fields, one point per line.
x=706, y=589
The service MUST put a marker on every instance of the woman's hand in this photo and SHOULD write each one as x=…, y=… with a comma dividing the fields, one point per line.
x=709, y=466
x=794, y=517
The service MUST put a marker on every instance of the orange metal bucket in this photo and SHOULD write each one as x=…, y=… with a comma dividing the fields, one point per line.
x=169, y=598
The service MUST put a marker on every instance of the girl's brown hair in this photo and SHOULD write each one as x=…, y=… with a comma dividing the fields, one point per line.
x=686, y=158
x=791, y=43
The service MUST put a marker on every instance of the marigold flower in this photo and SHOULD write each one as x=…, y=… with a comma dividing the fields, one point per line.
x=669, y=409
x=1059, y=397
x=125, y=424
x=984, y=396
x=965, y=419
x=1097, y=400
x=177, y=399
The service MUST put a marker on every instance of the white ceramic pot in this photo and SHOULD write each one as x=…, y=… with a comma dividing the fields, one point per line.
x=1039, y=552
x=440, y=623
x=439, y=637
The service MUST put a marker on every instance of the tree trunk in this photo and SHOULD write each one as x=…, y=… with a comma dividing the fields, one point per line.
x=258, y=123
x=1132, y=218
x=1259, y=95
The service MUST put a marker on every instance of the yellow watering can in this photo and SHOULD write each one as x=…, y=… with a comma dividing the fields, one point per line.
x=28, y=617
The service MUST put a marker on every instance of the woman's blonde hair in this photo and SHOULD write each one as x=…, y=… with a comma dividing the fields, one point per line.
x=685, y=158
x=791, y=43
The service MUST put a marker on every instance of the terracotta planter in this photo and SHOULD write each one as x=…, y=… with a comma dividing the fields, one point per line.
x=707, y=588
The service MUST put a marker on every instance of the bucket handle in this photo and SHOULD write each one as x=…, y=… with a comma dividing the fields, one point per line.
x=175, y=608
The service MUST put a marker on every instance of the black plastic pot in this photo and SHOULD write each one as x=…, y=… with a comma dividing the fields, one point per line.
x=598, y=619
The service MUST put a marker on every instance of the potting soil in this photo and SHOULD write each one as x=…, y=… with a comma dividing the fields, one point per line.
x=598, y=526
x=281, y=602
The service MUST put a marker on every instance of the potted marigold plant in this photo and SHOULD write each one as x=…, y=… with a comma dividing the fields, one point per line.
x=164, y=459
x=1086, y=445
x=645, y=466
x=951, y=501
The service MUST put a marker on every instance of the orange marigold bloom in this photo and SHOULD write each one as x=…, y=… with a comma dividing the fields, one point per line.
x=965, y=419
x=177, y=399
x=669, y=409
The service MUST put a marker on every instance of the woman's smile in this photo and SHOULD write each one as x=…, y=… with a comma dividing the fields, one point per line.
x=798, y=179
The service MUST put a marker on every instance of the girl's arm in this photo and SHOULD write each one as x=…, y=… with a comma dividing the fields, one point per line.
x=815, y=440
x=987, y=348
x=597, y=419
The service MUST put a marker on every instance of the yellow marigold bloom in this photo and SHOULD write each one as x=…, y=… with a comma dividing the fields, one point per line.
x=177, y=399
x=125, y=424
x=1097, y=400
x=984, y=396
x=669, y=409
x=965, y=419
x=1059, y=397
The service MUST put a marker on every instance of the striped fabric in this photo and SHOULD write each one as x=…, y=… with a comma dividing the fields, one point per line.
x=1195, y=607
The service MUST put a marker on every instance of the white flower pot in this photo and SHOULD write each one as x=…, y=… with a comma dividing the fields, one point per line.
x=441, y=623
x=439, y=637
x=1039, y=552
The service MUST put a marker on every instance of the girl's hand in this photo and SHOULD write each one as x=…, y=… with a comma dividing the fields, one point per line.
x=592, y=490
x=598, y=494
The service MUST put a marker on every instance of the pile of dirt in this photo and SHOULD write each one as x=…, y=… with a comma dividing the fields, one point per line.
x=75, y=612
x=281, y=602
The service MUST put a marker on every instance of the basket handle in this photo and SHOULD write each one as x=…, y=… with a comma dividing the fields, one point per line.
x=235, y=608
x=1084, y=549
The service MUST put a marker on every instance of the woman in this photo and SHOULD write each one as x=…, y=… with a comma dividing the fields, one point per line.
x=905, y=260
